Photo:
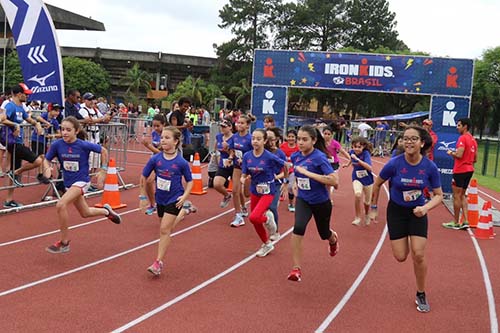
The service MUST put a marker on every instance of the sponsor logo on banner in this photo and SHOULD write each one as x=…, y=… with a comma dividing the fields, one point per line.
x=443, y=145
x=445, y=171
x=362, y=74
x=42, y=87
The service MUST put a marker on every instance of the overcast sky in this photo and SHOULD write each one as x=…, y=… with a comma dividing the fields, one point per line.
x=454, y=28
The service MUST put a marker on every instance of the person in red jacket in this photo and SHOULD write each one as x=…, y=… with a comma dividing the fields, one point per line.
x=427, y=125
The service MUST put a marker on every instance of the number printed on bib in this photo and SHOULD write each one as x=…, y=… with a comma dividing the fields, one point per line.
x=163, y=184
x=411, y=195
x=304, y=184
x=73, y=166
x=238, y=153
x=361, y=173
x=263, y=188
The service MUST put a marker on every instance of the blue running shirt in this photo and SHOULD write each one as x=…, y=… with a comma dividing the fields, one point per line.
x=240, y=145
x=360, y=173
x=262, y=169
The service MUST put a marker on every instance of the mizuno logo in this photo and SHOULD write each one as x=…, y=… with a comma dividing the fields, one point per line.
x=41, y=80
x=446, y=144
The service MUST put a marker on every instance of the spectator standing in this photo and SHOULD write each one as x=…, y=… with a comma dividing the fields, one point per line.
x=363, y=129
x=71, y=105
x=464, y=157
x=427, y=125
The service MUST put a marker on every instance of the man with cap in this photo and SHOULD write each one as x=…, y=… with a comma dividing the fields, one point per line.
x=14, y=116
x=427, y=125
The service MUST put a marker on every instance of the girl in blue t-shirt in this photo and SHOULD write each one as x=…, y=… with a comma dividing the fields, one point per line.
x=158, y=123
x=73, y=155
x=224, y=167
x=260, y=166
x=313, y=175
x=170, y=168
x=362, y=177
x=239, y=144
x=410, y=173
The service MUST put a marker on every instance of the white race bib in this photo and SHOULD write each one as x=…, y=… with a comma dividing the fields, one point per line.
x=361, y=173
x=303, y=184
x=163, y=184
x=411, y=195
x=263, y=188
x=239, y=154
x=73, y=166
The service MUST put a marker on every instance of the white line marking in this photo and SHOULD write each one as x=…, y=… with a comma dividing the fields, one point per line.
x=56, y=231
x=489, y=196
x=347, y=296
x=95, y=263
x=191, y=291
x=487, y=285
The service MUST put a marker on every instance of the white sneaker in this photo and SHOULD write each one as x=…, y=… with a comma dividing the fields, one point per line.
x=356, y=221
x=225, y=201
x=291, y=208
x=367, y=220
x=238, y=221
x=265, y=249
x=270, y=223
x=274, y=237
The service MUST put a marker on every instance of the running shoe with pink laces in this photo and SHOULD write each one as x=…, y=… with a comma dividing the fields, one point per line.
x=58, y=247
x=156, y=267
x=295, y=274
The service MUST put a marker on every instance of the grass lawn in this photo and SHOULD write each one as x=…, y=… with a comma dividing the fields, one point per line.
x=488, y=181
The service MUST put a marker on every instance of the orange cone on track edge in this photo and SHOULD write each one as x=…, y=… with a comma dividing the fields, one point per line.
x=230, y=186
x=490, y=221
x=472, y=204
x=196, y=173
x=483, y=229
x=111, y=194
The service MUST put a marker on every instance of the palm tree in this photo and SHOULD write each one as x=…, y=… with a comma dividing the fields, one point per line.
x=197, y=90
x=242, y=92
x=137, y=80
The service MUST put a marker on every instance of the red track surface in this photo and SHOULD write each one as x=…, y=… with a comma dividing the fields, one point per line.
x=254, y=297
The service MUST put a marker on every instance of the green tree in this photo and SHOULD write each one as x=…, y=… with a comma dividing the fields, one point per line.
x=286, y=33
x=13, y=74
x=242, y=93
x=85, y=75
x=371, y=25
x=199, y=91
x=137, y=81
x=486, y=92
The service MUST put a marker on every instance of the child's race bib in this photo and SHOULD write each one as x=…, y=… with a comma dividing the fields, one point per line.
x=303, y=184
x=239, y=154
x=163, y=184
x=73, y=166
x=411, y=195
x=361, y=173
x=263, y=188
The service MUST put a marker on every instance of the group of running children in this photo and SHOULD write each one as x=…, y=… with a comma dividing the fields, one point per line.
x=304, y=166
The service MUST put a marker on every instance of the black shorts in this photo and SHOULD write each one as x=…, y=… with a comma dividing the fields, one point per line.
x=21, y=153
x=38, y=148
x=335, y=166
x=224, y=172
x=462, y=179
x=169, y=209
x=402, y=223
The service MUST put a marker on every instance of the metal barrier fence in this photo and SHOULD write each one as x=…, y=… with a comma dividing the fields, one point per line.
x=488, y=157
x=112, y=136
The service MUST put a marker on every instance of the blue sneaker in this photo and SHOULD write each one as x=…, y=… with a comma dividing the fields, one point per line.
x=150, y=210
x=16, y=179
x=12, y=204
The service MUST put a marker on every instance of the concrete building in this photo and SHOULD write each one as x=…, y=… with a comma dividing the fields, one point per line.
x=166, y=69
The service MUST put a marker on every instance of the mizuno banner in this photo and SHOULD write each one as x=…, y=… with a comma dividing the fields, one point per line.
x=37, y=47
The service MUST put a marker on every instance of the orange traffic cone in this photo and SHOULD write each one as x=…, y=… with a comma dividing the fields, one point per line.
x=483, y=229
x=111, y=193
x=196, y=172
x=230, y=185
x=472, y=204
x=490, y=221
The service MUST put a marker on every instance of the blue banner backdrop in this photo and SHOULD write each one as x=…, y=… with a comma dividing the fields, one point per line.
x=37, y=47
x=445, y=113
x=270, y=101
x=368, y=72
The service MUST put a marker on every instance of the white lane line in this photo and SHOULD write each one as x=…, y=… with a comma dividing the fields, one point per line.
x=487, y=284
x=489, y=196
x=56, y=231
x=95, y=263
x=347, y=296
x=191, y=291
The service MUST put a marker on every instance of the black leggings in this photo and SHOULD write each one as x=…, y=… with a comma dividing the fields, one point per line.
x=321, y=212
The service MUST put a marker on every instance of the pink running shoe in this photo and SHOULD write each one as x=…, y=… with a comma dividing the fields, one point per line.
x=156, y=268
x=334, y=248
x=295, y=274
